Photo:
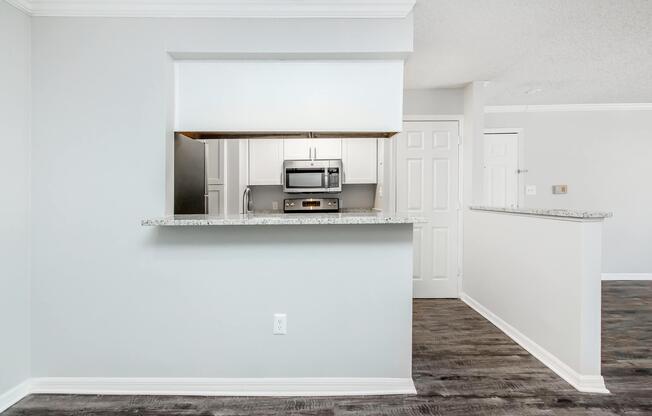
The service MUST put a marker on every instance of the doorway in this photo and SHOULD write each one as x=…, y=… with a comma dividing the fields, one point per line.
x=501, y=169
x=428, y=185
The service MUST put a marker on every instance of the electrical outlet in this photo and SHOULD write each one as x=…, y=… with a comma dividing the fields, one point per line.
x=531, y=190
x=275, y=205
x=280, y=324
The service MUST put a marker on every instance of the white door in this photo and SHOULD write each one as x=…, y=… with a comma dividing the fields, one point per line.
x=501, y=169
x=265, y=161
x=360, y=160
x=327, y=148
x=297, y=149
x=427, y=185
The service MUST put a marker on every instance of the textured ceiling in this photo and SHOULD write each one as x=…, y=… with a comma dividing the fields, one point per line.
x=561, y=51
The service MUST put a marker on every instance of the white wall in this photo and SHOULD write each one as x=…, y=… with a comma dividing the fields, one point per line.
x=14, y=197
x=605, y=159
x=538, y=279
x=263, y=95
x=434, y=101
x=111, y=298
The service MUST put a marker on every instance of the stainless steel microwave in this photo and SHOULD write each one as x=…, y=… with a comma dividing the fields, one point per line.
x=308, y=176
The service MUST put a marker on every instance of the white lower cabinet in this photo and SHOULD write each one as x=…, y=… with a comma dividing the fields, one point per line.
x=360, y=161
x=265, y=161
x=215, y=199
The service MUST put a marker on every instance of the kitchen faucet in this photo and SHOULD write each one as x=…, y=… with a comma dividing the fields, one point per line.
x=247, y=200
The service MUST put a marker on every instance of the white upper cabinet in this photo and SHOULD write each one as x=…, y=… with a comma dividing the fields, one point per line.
x=327, y=148
x=265, y=161
x=297, y=149
x=277, y=96
x=360, y=160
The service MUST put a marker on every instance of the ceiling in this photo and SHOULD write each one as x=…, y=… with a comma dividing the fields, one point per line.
x=536, y=51
x=528, y=51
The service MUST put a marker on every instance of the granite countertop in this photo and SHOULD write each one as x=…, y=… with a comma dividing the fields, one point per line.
x=268, y=218
x=546, y=212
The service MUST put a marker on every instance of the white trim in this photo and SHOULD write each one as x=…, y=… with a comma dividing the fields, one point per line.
x=224, y=386
x=583, y=383
x=433, y=117
x=504, y=130
x=566, y=107
x=626, y=276
x=368, y=9
x=14, y=395
x=22, y=5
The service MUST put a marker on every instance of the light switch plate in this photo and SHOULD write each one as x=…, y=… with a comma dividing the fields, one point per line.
x=531, y=190
x=559, y=189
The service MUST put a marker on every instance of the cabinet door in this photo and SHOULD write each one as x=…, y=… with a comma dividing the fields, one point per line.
x=215, y=168
x=265, y=161
x=327, y=148
x=296, y=149
x=215, y=199
x=359, y=160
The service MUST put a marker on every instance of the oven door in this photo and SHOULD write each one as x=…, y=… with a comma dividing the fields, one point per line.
x=301, y=180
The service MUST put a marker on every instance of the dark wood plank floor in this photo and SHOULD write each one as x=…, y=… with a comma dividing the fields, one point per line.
x=462, y=366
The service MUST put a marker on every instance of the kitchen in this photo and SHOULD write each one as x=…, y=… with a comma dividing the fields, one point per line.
x=294, y=182
x=240, y=152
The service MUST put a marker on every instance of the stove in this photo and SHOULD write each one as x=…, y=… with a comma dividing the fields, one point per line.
x=311, y=205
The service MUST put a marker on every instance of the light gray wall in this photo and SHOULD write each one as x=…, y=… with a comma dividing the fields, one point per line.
x=111, y=298
x=605, y=158
x=541, y=277
x=14, y=201
x=435, y=101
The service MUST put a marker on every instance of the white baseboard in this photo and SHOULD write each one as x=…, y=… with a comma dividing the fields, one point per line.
x=12, y=396
x=626, y=276
x=224, y=386
x=587, y=384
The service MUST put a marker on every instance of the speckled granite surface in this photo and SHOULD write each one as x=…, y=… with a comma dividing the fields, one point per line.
x=543, y=212
x=375, y=217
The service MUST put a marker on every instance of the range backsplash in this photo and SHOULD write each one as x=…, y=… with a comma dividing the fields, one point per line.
x=352, y=196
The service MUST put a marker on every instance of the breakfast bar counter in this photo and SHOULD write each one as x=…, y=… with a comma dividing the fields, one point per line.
x=279, y=218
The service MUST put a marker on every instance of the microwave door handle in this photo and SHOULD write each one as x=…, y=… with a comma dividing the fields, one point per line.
x=326, y=179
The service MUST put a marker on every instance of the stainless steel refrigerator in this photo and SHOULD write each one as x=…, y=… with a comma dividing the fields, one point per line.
x=190, y=182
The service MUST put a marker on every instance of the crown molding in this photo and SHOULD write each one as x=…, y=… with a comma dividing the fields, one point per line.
x=566, y=107
x=24, y=6
x=295, y=9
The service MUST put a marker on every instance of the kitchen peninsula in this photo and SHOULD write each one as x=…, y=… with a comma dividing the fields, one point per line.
x=313, y=302
x=342, y=280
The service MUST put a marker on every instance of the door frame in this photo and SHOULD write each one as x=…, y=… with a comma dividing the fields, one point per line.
x=460, y=163
x=520, y=162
